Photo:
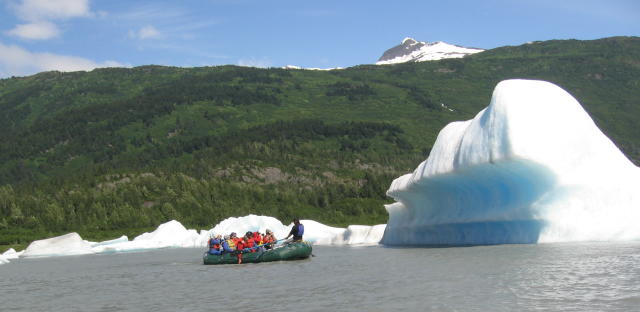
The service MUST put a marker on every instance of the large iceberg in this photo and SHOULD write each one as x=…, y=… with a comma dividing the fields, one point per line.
x=531, y=167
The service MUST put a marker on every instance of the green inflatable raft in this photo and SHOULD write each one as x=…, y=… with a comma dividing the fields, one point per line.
x=291, y=251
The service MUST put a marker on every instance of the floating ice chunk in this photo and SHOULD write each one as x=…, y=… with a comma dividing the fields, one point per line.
x=118, y=240
x=173, y=234
x=170, y=234
x=12, y=254
x=320, y=234
x=364, y=234
x=65, y=245
x=314, y=232
x=167, y=235
x=251, y=223
x=531, y=167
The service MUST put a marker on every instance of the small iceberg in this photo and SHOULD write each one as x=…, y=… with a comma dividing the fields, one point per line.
x=171, y=234
x=9, y=255
x=66, y=245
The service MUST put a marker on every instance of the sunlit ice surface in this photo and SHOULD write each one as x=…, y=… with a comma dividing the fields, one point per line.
x=531, y=167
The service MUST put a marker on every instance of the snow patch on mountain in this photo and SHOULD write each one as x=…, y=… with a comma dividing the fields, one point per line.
x=411, y=50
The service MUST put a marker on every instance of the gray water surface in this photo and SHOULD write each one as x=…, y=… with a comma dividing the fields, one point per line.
x=546, y=277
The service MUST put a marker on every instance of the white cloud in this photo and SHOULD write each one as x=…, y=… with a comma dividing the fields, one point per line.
x=146, y=32
x=40, y=13
x=35, y=31
x=16, y=61
x=170, y=22
x=39, y=10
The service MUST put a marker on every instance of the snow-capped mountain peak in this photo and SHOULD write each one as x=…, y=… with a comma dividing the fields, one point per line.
x=408, y=41
x=411, y=50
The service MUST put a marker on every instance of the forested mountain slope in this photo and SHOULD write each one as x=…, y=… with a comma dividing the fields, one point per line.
x=128, y=148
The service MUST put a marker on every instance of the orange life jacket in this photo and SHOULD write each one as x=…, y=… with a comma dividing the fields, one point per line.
x=257, y=238
x=267, y=239
x=240, y=245
x=250, y=243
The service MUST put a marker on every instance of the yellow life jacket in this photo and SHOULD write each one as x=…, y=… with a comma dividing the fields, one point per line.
x=231, y=244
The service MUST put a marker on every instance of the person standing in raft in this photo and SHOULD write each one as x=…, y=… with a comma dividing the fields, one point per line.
x=296, y=231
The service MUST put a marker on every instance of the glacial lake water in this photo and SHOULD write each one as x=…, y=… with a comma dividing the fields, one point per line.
x=545, y=277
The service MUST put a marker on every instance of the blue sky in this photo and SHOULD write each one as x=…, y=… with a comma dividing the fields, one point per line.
x=38, y=35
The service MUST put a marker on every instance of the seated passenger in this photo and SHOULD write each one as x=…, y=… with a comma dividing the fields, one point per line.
x=240, y=245
x=239, y=249
x=249, y=242
x=230, y=242
x=214, y=245
x=226, y=247
x=235, y=239
x=257, y=238
x=268, y=240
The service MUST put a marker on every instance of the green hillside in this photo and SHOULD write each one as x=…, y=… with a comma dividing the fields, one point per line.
x=124, y=149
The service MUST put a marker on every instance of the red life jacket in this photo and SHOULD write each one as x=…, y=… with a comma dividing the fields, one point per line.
x=250, y=243
x=215, y=246
x=267, y=239
x=257, y=238
x=240, y=245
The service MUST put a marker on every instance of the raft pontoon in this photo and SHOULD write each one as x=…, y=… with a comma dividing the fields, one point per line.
x=291, y=251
